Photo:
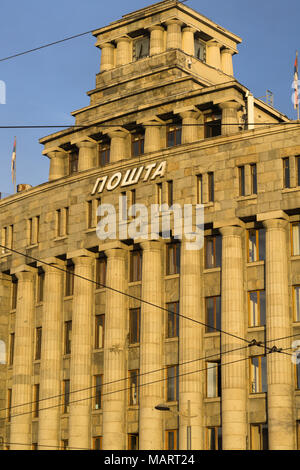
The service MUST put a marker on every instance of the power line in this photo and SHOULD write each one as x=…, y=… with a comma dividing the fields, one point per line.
x=41, y=445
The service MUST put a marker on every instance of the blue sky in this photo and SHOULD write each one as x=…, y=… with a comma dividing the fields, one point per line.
x=45, y=86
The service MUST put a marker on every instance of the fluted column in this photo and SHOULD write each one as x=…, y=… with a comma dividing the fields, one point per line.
x=174, y=35
x=58, y=164
x=213, y=56
x=114, y=433
x=50, y=368
x=107, y=57
x=188, y=40
x=20, y=430
x=190, y=347
x=152, y=135
x=87, y=155
x=234, y=421
x=81, y=353
x=279, y=366
x=229, y=117
x=190, y=129
x=226, y=61
x=150, y=427
x=118, y=145
x=124, y=51
x=156, y=39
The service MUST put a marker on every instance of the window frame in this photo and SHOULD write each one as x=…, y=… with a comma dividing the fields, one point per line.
x=211, y=186
x=286, y=173
x=69, y=280
x=133, y=378
x=134, y=324
x=67, y=337
x=174, y=267
x=38, y=343
x=253, y=172
x=261, y=427
x=174, y=129
x=260, y=375
x=293, y=224
x=99, y=344
x=217, y=430
x=104, y=153
x=172, y=382
x=137, y=144
x=136, y=267
x=97, y=439
x=242, y=181
x=11, y=349
x=98, y=387
x=295, y=308
x=216, y=256
x=258, y=293
x=217, y=322
x=258, y=241
x=174, y=432
x=129, y=441
x=217, y=379
x=66, y=396
x=36, y=401
x=173, y=318
x=141, y=39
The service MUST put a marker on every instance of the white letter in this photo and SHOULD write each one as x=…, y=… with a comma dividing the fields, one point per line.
x=160, y=171
x=109, y=221
x=111, y=185
x=129, y=177
x=122, y=217
x=197, y=244
x=154, y=221
x=141, y=221
x=296, y=354
x=148, y=170
x=102, y=181
x=166, y=220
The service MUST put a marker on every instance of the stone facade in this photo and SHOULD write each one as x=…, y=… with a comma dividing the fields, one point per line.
x=163, y=68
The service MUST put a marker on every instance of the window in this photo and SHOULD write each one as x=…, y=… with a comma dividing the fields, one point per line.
x=133, y=442
x=101, y=264
x=298, y=435
x=286, y=172
x=34, y=446
x=132, y=197
x=172, y=383
x=90, y=215
x=73, y=162
x=258, y=374
x=33, y=228
x=259, y=437
x=134, y=387
x=214, y=438
x=212, y=125
x=173, y=258
x=68, y=336
x=253, y=173
x=123, y=206
x=11, y=348
x=14, y=293
x=36, y=397
x=295, y=236
x=134, y=325
x=213, y=314
x=98, y=381
x=297, y=373
x=66, y=396
x=38, y=343
x=256, y=245
x=159, y=194
x=40, y=286
x=242, y=187
x=141, y=48
x=64, y=444
x=7, y=239
x=99, y=331
x=135, y=266
x=104, y=153
x=69, y=286
x=9, y=400
x=296, y=303
x=173, y=320
x=97, y=443
x=137, y=144
x=170, y=192
x=213, y=251
x=174, y=132
x=213, y=379
x=62, y=222
x=172, y=439
x=257, y=308
x=298, y=170
x=199, y=189
x=200, y=50
x=211, y=187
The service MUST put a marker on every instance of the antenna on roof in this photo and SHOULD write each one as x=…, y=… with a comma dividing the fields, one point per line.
x=268, y=98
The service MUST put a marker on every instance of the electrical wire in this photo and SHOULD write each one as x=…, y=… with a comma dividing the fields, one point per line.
x=41, y=445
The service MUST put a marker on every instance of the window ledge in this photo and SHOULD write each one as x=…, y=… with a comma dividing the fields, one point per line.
x=254, y=329
x=5, y=255
x=96, y=411
x=246, y=198
x=208, y=204
x=212, y=399
x=99, y=290
x=296, y=324
x=97, y=350
x=90, y=230
x=68, y=297
x=171, y=276
x=212, y=334
x=211, y=270
x=255, y=263
x=39, y=304
x=57, y=239
x=290, y=190
x=29, y=247
x=295, y=257
x=13, y=310
x=133, y=407
x=134, y=283
x=257, y=395
x=133, y=345
x=172, y=340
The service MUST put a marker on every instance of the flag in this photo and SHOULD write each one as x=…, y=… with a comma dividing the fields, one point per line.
x=13, y=162
x=296, y=78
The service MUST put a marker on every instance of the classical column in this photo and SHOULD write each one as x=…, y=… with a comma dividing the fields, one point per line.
x=190, y=129
x=188, y=40
x=114, y=401
x=279, y=366
x=190, y=347
x=234, y=417
x=152, y=135
x=151, y=350
x=226, y=61
x=156, y=39
x=81, y=353
x=174, y=35
x=213, y=56
x=20, y=430
x=107, y=57
x=118, y=145
x=50, y=368
x=230, y=117
x=87, y=155
x=124, y=51
x=58, y=164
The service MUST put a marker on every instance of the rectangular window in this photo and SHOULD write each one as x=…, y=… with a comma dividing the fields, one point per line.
x=257, y=308
x=141, y=48
x=9, y=400
x=172, y=383
x=123, y=206
x=213, y=314
x=296, y=296
x=40, y=286
x=295, y=236
x=159, y=194
x=97, y=443
x=11, y=348
x=98, y=381
x=172, y=439
x=253, y=178
x=134, y=387
x=298, y=170
x=101, y=264
x=133, y=197
x=36, y=397
x=135, y=266
x=174, y=135
x=173, y=320
x=242, y=180
x=68, y=337
x=38, y=343
x=199, y=189
x=33, y=225
x=259, y=437
x=134, y=325
x=34, y=446
x=99, y=331
x=258, y=374
x=90, y=215
x=256, y=245
x=170, y=192
x=298, y=435
x=200, y=50
x=7, y=239
x=286, y=172
x=73, y=162
x=213, y=379
x=214, y=438
x=64, y=444
x=62, y=222
x=137, y=144
x=133, y=442
x=211, y=187
x=297, y=373
x=66, y=396
x=69, y=286
x=173, y=258
x=213, y=251
x=104, y=153
x=212, y=126
x=14, y=293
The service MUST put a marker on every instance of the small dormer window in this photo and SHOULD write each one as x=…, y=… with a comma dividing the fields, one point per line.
x=141, y=48
x=200, y=50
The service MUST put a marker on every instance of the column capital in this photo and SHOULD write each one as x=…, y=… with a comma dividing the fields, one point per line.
x=230, y=105
x=227, y=51
x=277, y=224
x=116, y=132
x=189, y=29
x=85, y=144
x=83, y=253
x=231, y=231
x=123, y=39
x=114, y=253
x=213, y=43
x=271, y=215
x=174, y=21
x=108, y=45
x=156, y=27
x=50, y=263
x=55, y=152
x=150, y=120
x=24, y=268
x=151, y=245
